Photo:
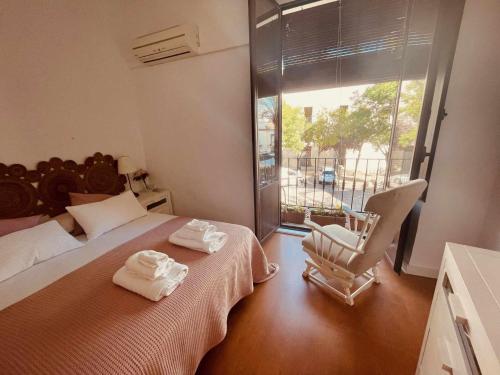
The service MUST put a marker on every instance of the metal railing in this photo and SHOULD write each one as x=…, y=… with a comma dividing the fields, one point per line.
x=330, y=184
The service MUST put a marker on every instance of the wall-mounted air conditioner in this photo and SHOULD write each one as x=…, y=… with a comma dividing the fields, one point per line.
x=174, y=43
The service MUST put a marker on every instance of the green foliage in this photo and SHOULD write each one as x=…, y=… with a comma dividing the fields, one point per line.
x=298, y=209
x=409, y=114
x=334, y=130
x=373, y=110
x=293, y=128
x=411, y=98
x=407, y=138
x=324, y=211
x=368, y=120
x=322, y=132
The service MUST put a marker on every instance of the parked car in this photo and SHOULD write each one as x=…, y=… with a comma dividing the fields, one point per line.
x=291, y=177
x=267, y=160
x=327, y=177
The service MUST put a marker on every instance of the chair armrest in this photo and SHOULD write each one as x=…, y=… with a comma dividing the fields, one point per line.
x=338, y=241
x=355, y=214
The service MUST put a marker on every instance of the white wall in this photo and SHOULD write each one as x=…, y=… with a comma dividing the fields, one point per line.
x=197, y=134
x=73, y=94
x=196, y=116
x=222, y=23
x=70, y=86
x=65, y=90
x=490, y=234
x=461, y=190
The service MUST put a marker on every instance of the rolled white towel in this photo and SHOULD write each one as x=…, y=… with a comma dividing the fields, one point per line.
x=150, y=272
x=196, y=235
x=152, y=289
x=197, y=225
x=211, y=244
x=151, y=258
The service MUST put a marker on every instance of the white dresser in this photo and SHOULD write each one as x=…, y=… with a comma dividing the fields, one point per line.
x=463, y=330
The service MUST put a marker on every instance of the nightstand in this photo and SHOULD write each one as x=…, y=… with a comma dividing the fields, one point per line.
x=156, y=201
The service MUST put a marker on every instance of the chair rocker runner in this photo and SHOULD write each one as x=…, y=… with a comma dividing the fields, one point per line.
x=339, y=255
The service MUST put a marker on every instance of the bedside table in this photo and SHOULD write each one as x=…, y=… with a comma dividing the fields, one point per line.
x=156, y=201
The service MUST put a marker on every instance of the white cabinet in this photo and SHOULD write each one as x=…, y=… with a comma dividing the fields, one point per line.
x=442, y=352
x=463, y=330
x=156, y=201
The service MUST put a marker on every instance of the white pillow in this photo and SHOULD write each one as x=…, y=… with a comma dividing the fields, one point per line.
x=22, y=249
x=65, y=220
x=100, y=217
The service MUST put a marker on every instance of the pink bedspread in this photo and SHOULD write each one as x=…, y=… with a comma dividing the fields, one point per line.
x=85, y=324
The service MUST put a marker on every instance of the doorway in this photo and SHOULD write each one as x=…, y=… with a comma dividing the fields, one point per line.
x=342, y=101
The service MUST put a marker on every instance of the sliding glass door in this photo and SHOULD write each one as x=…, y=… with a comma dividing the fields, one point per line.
x=353, y=77
x=265, y=47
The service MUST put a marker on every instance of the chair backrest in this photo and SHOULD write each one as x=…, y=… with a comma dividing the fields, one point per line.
x=392, y=206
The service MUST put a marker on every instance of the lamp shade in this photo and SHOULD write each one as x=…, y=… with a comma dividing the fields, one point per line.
x=125, y=165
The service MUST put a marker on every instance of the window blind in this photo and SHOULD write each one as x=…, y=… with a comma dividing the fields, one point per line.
x=268, y=55
x=352, y=42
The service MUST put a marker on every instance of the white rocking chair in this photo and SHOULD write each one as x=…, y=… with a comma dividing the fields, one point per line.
x=341, y=255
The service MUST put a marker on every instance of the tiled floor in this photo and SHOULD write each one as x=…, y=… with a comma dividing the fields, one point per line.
x=291, y=326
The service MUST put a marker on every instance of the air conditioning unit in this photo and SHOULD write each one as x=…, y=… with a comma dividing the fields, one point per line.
x=174, y=43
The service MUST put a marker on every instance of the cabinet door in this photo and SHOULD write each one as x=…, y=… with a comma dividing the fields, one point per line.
x=442, y=352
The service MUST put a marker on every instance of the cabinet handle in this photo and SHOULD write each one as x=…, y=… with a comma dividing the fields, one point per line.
x=444, y=354
x=447, y=369
x=463, y=331
x=457, y=310
x=463, y=328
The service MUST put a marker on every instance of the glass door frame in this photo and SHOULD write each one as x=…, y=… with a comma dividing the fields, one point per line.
x=255, y=123
x=432, y=114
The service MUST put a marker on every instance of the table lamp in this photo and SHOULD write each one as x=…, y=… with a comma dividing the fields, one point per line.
x=125, y=166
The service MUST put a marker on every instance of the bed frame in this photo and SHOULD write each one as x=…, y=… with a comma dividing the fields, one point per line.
x=45, y=190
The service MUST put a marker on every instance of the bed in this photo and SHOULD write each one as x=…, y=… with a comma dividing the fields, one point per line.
x=66, y=316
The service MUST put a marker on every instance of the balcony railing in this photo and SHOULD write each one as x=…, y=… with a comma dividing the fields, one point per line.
x=331, y=184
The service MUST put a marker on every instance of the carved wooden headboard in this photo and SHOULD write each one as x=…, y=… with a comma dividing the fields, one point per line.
x=45, y=190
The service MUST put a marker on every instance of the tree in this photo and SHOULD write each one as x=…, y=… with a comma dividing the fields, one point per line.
x=342, y=128
x=321, y=133
x=408, y=137
x=409, y=115
x=412, y=97
x=373, y=109
x=368, y=120
x=335, y=130
x=293, y=128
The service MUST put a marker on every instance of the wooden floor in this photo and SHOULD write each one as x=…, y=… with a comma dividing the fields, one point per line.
x=291, y=326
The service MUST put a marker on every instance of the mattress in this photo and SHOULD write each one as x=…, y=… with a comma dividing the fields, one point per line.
x=82, y=323
x=42, y=274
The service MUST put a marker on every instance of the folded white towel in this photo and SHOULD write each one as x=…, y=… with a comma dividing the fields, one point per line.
x=152, y=289
x=148, y=271
x=151, y=258
x=210, y=244
x=189, y=234
x=197, y=225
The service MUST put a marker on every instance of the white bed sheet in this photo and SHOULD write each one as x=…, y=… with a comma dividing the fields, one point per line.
x=42, y=274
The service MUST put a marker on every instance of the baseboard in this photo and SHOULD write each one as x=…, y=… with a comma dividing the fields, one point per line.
x=415, y=270
x=298, y=233
x=420, y=271
x=389, y=259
